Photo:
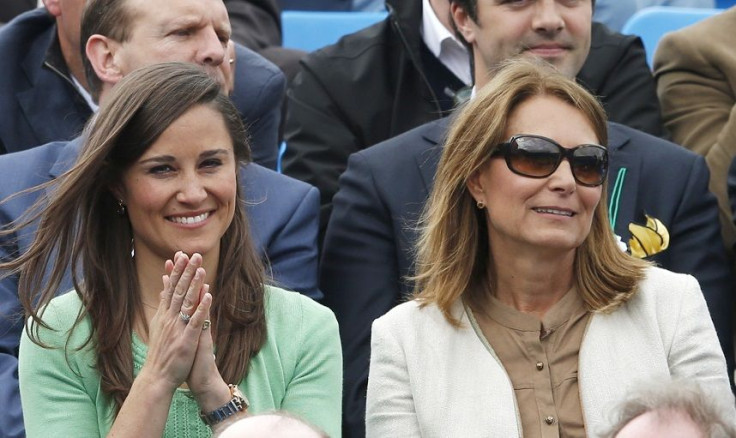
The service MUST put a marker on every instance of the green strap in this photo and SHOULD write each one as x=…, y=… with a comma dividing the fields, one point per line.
x=616, y=197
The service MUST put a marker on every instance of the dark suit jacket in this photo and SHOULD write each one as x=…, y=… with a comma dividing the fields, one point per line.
x=11, y=8
x=283, y=215
x=367, y=250
x=39, y=104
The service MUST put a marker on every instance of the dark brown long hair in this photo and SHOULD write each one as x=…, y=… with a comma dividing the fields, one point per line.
x=80, y=231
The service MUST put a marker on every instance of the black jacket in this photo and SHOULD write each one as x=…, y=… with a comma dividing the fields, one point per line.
x=370, y=86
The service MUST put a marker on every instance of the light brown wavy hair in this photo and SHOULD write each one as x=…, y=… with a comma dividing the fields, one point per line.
x=80, y=231
x=453, y=255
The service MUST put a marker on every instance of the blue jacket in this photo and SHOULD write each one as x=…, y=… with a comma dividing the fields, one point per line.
x=282, y=211
x=367, y=251
x=39, y=104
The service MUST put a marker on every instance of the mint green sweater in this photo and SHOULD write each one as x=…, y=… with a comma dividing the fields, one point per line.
x=299, y=370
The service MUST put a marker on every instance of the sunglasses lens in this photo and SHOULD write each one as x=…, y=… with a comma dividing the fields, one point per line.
x=539, y=157
x=589, y=165
x=534, y=157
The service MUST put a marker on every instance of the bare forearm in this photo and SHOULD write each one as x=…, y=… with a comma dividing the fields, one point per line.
x=145, y=411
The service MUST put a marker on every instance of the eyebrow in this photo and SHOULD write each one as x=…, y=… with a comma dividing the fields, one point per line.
x=193, y=21
x=164, y=159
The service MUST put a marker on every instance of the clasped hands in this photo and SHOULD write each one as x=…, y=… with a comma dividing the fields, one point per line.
x=181, y=351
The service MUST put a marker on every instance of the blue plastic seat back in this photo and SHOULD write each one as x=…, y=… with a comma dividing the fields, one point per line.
x=312, y=30
x=652, y=23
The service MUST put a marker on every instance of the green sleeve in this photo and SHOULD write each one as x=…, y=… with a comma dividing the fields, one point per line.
x=315, y=392
x=58, y=384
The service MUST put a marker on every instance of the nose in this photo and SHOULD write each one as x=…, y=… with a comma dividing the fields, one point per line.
x=192, y=190
x=562, y=179
x=211, y=50
x=548, y=17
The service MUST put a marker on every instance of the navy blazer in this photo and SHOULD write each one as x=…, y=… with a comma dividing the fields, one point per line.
x=367, y=251
x=283, y=214
x=39, y=105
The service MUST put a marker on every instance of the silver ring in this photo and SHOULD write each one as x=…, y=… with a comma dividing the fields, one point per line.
x=184, y=317
x=206, y=325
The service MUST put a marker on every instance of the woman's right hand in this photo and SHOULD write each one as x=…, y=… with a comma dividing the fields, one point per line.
x=172, y=341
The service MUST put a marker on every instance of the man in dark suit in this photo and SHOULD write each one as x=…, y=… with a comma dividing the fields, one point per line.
x=394, y=76
x=368, y=248
x=283, y=212
x=44, y=94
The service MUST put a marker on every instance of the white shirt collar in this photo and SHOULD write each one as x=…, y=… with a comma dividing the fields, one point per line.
x=443, y=44
x=87, y=97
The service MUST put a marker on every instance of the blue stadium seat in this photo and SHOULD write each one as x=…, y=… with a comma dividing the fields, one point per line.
x=652, y=23
x=311, y=30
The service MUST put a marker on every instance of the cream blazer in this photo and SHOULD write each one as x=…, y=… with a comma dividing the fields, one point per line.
x=430, y=379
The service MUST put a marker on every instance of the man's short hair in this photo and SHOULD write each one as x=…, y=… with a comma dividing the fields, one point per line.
x=665, y=399
x=109, y=18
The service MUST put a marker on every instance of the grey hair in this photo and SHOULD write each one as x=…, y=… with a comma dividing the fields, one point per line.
x=668, y=399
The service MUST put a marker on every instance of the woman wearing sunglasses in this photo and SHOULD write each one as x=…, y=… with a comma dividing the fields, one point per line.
x=528, y=319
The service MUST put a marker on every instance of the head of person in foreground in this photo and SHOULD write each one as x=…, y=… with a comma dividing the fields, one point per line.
x=675, y=409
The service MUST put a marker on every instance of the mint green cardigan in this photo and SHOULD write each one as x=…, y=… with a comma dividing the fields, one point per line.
x=299, y=370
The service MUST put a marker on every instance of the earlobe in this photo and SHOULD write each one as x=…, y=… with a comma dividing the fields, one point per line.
x=475, y=188
x=118, y=193
x=101, y=52
x=53, y=7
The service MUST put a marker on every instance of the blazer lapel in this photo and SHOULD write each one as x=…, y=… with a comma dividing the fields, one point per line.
x=428, y=159
x=623, y=182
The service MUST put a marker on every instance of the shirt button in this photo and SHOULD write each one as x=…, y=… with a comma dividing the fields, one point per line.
x=540, y=366
x=549, y=420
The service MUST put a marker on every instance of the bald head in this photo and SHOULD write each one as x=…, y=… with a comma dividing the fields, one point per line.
x=274, y=425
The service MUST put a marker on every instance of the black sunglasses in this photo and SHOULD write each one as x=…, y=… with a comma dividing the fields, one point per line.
x=535, y=156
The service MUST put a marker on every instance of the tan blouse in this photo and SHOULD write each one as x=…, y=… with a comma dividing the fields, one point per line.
x=541, y=359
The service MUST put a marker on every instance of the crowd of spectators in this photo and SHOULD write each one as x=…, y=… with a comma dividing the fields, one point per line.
x=495, y=219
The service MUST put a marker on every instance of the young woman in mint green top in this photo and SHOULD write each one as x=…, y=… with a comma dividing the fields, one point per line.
x=151, y=221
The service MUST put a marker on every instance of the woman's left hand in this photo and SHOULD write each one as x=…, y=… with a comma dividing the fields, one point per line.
x=204, y=380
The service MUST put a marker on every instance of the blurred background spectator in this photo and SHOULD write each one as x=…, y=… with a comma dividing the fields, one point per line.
x=615, y=13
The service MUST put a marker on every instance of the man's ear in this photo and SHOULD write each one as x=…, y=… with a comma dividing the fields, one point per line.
x=463, y=23
x=101, y=52
x=53, y=7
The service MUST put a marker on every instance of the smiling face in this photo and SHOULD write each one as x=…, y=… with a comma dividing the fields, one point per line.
x=195, y=31
x=182, y=192
x=553, y=213
x=557, y=31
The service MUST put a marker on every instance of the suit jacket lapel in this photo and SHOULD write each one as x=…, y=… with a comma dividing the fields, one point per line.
x=428, y=159
x=623, y=182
